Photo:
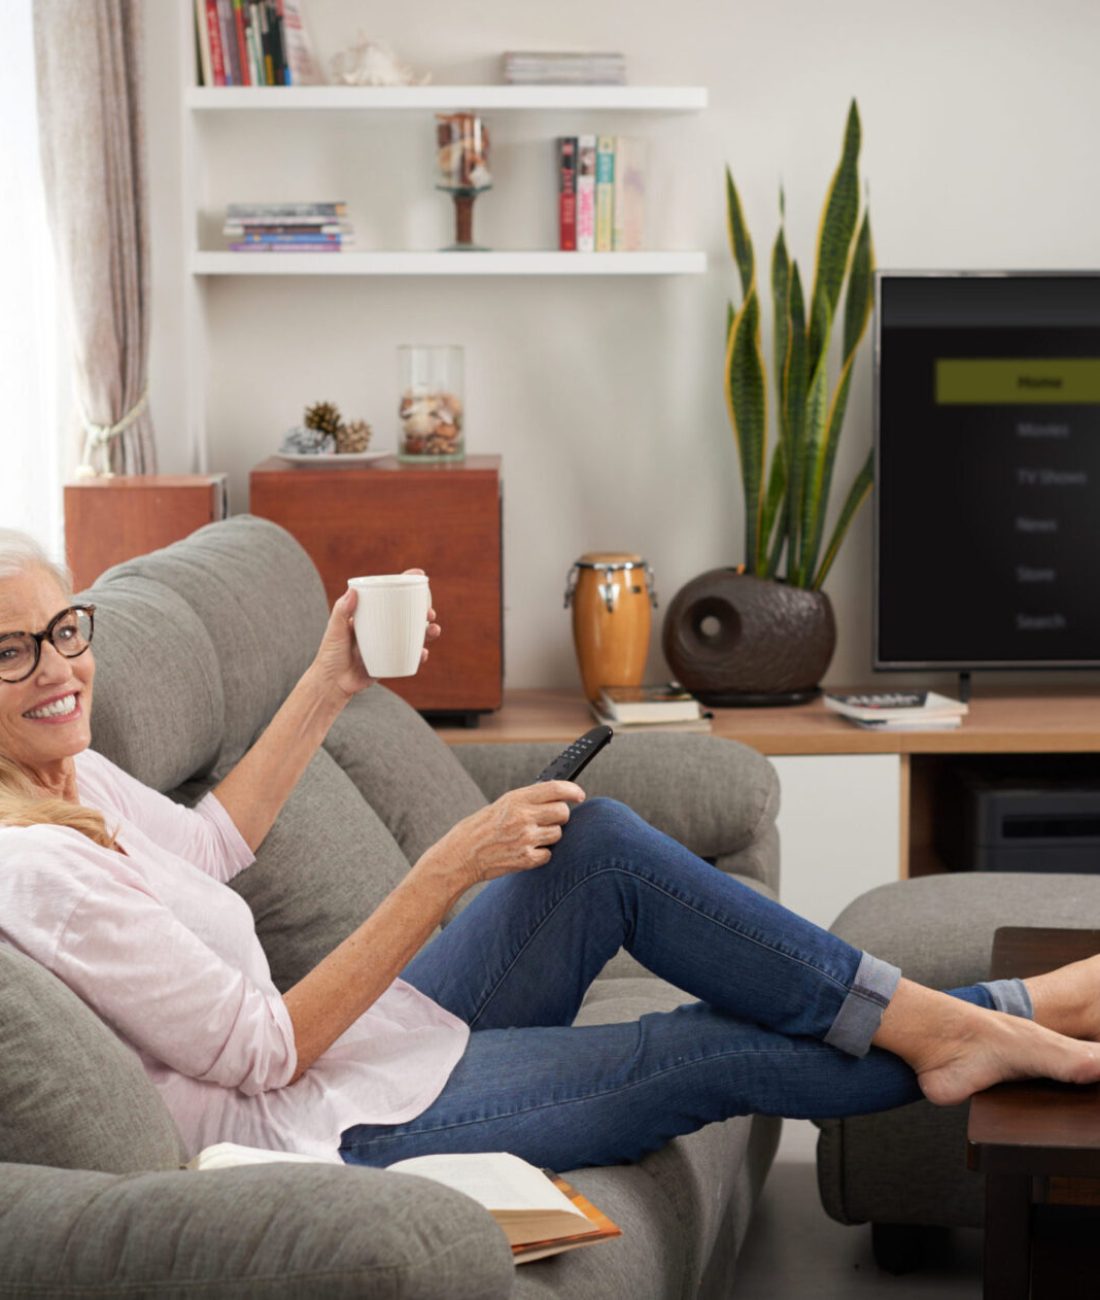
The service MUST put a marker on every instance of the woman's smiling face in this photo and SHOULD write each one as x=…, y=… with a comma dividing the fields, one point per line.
x=46, y=718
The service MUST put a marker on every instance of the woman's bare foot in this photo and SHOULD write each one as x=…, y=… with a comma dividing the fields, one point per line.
x=958, y=1049
x=1067, y=1000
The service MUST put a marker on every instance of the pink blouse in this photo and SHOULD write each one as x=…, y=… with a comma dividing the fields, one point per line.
x=157, y=945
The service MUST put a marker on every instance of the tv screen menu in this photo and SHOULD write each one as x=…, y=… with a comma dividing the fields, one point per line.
x=988, y=470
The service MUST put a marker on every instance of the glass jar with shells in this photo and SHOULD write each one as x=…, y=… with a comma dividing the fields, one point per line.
x=432, y=407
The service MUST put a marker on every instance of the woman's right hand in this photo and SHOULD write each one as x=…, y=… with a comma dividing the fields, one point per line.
x=515, y=833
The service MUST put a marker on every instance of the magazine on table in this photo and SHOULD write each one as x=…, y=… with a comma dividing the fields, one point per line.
x=897, y=710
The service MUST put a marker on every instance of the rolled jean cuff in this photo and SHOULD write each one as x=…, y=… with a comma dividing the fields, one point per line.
x=1011, y=997
x=860, y=1014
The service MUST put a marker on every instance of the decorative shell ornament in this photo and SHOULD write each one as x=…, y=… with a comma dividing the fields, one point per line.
x=373, y=63
x=353, y=437
x=324, y=416
x=303, y=441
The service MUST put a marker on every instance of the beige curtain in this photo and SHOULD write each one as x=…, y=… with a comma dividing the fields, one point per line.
x=88, y=57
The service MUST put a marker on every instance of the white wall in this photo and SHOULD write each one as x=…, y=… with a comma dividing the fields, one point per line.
x=605, y=396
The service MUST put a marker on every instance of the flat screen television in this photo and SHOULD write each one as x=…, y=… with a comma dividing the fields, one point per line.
x=987, y=491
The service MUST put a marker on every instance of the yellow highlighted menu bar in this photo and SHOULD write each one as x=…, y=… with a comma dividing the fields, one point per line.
x=1018, y=382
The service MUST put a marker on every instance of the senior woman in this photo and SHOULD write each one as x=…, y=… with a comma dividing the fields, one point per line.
x=391, y=1048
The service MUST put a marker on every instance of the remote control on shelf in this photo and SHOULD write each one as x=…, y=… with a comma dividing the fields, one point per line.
x=572, y=761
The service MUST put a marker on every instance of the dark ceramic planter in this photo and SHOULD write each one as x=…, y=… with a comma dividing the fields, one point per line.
x=733, y=639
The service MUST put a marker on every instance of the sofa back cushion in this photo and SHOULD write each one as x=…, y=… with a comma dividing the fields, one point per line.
x=323, y=868
x=408, y=775
x=218, y=628
x=71, y=1094
x=159, y=706
x=262, y=604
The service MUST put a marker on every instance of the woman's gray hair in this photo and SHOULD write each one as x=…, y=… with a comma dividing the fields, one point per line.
x=20, y=552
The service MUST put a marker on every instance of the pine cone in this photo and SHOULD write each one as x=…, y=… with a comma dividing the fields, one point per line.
x=353, y=437
x=324, y=416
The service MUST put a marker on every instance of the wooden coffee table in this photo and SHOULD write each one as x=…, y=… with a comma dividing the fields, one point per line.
x=1038, y=1143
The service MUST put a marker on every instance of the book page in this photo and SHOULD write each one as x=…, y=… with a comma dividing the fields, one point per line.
x=501, y=1182
x=225, y=1155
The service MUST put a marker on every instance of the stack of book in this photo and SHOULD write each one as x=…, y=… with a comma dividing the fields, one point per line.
x=898, y=710
x=253, y=43
x=665, y=706
x=601, y=193
x=287, y=227
x=536, y=68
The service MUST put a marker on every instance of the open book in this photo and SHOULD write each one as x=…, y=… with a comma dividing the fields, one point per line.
x=537, y=1211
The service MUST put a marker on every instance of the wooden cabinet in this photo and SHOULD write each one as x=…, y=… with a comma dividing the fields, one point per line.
x=108, y=520
x=387, y=516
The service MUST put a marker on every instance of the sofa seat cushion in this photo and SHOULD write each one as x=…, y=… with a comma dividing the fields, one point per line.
x=408, y=775
x=72, y=1094
x=678, y=1209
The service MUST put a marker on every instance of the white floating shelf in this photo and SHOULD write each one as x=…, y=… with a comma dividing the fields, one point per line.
x=688, y=263
x=665, y=99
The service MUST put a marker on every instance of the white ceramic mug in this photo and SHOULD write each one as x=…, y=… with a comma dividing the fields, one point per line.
x=391, y=620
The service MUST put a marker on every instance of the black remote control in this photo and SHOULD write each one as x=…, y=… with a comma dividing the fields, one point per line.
x=572, y=761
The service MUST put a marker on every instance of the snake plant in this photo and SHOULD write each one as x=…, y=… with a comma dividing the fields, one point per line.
x=786, y=501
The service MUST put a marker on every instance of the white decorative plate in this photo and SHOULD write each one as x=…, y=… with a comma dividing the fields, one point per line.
x=332, y=457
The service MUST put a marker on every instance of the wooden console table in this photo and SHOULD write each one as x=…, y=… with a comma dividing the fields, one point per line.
x=1000, y=722
x=1038, y=1144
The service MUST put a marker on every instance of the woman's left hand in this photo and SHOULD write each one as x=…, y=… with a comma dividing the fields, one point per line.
x=338, y=663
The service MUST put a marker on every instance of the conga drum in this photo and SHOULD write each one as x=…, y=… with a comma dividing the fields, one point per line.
x=611, y=594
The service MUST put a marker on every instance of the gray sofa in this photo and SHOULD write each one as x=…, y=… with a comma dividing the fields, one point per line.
x=904, y=1171
x=196, y=647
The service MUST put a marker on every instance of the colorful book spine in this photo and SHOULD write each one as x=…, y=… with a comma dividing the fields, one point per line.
x=265, y=38
x=567, y=194
x=285, y=78
x=255, y=49
x=628, y=223
x=278, y=237
x=288, y=213
x=229, y=42
x=634, y=195
x=217, y=58
x=586, y=194
x=202, y=32
x=246, y=228
x=605, y=193
x=267, y=247
x=242, y=44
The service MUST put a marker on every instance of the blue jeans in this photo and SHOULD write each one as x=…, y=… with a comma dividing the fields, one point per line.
x=783, y=1024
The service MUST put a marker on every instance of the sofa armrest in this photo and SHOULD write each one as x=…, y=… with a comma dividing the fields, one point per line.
x=258, y=1230
x=715, y=796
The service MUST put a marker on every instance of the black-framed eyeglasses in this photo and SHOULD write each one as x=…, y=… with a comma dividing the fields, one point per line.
x=70, y=634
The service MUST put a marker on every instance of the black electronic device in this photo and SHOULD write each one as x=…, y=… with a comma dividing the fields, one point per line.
x=987, y=470
x=1018, y=821
x=572, y=761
